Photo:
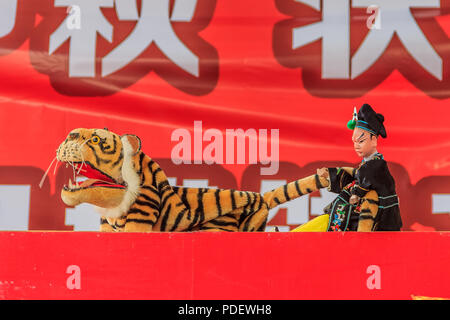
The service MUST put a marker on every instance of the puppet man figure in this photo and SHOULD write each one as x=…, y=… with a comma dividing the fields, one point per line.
x=354, y=186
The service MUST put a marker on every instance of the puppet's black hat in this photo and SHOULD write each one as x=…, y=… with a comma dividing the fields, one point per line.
x=369, y=120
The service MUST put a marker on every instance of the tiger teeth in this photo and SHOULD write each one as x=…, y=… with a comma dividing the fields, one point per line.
x=74, y=185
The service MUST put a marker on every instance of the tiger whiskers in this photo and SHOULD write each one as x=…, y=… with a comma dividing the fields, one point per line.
x=46, y=172
x=56, y=167
x=73, y=171
x=82, y=157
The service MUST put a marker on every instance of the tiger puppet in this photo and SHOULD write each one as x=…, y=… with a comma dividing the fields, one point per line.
x=132, y=192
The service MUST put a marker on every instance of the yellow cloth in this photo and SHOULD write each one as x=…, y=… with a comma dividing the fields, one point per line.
x=318, y=224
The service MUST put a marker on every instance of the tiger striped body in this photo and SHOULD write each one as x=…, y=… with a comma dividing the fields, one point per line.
x=161, y=207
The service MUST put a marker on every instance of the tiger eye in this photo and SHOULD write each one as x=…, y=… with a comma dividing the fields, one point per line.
x=95, y=140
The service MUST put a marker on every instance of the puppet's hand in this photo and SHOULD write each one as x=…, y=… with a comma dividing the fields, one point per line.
x=323, y=172
x=354, y=199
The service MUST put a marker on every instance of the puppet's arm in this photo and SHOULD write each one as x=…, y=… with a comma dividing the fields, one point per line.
x=339, y=178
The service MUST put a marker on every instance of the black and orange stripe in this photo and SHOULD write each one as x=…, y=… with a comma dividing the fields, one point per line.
x=294, y=189
x=161, y=207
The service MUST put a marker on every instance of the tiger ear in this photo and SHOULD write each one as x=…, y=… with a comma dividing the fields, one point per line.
x=134, y=141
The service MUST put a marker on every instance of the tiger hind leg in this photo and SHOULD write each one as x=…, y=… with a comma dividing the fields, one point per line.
x=249, y=215
x=369, y=210
x=227, y=222
x=255, y=214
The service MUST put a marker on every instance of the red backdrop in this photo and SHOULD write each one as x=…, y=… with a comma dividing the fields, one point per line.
x=247, y=75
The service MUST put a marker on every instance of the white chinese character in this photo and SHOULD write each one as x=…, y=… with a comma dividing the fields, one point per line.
x=397, y=19
x=8, y=9
x=154, y=25
x=334, y=30
x=83, y=41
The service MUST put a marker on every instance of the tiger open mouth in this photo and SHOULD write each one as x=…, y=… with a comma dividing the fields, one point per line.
x=87, y=176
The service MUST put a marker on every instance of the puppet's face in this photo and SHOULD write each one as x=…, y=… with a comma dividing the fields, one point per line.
x=96, y=155
x=364, y=143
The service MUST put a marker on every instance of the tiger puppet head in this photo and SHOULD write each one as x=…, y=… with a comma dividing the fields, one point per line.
x=103, y=169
